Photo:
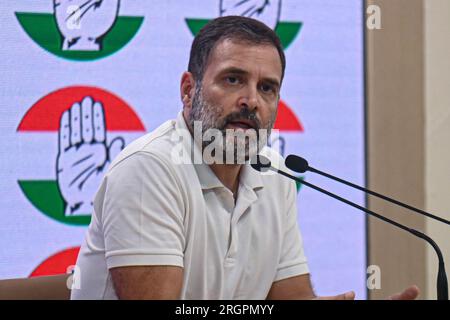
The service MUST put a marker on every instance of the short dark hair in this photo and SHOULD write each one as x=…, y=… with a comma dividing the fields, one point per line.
x=236, y=28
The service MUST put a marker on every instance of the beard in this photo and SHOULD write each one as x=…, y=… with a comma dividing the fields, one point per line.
x=228, y=145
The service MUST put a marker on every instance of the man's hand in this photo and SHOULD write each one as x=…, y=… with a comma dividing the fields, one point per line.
x=83, y=154
x=300, y=288
x=82, y=23
x=345, y=296
x=410, y=293
x=266, y=11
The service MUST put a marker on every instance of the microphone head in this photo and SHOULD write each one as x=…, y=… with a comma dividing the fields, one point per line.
x=260, y=163
x=296, y=163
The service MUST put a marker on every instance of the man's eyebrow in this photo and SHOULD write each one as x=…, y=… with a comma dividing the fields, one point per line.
x=235, y=70
x=273, y=82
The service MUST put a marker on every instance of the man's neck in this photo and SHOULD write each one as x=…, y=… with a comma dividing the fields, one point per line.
x=228, y=174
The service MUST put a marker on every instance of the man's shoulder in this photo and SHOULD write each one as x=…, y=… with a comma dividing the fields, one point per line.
x=157, y=144
x=155, y=152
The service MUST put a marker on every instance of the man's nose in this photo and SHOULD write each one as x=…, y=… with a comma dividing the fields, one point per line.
x=249, y=98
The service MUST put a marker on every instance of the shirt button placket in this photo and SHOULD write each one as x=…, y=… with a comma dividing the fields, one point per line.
x=228, y=201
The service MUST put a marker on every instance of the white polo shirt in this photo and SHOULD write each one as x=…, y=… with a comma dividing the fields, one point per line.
x=150, y=210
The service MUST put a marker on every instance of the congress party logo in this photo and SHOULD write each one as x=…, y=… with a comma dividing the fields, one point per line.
x=81, y=29
x=72, y=134
x=59, y=263
x=267, y=11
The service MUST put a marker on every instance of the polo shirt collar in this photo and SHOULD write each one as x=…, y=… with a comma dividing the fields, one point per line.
x=208, y=180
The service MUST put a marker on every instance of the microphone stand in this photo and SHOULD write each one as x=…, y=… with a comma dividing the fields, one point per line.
x=442, y=285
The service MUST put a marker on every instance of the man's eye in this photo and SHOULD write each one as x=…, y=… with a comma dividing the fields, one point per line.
x=232, y=80
x=267, y=88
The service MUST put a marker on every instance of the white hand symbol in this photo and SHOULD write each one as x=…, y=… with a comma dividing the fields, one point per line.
x=83, y=154
x=266, y=11
x=82, y=23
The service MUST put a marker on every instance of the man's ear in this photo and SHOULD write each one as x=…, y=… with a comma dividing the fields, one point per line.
x=187, y=89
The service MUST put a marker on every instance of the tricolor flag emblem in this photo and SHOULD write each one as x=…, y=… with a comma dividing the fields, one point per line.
x=70, y=136
x=81, y=30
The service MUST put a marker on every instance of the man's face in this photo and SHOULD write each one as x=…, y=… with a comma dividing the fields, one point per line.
x=239, y=90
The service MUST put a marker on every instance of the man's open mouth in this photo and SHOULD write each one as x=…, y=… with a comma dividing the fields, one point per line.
x=241, y=124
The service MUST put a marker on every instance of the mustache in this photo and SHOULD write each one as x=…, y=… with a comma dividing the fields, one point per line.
x=244, y=114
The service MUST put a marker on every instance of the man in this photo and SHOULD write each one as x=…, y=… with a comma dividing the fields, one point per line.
x=169, y=229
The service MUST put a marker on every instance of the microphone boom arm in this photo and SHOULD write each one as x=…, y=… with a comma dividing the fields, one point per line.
x=376, y=194
x=442, y=285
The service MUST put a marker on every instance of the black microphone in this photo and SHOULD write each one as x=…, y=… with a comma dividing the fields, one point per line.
x=299, y=164
x=442, y=285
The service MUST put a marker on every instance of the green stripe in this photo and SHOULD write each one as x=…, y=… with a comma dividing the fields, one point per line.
x=45, y=196
x=42, y=28
x=286, y=31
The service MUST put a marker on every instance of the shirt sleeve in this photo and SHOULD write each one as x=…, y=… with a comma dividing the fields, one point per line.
x=292, y=261
x=143, y=213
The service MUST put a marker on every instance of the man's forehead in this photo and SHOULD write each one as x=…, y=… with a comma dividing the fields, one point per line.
x=233, y=54
x=234, y=49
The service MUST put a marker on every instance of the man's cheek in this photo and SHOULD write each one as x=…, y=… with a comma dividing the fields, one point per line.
x=273, y=115
x=267, y=120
